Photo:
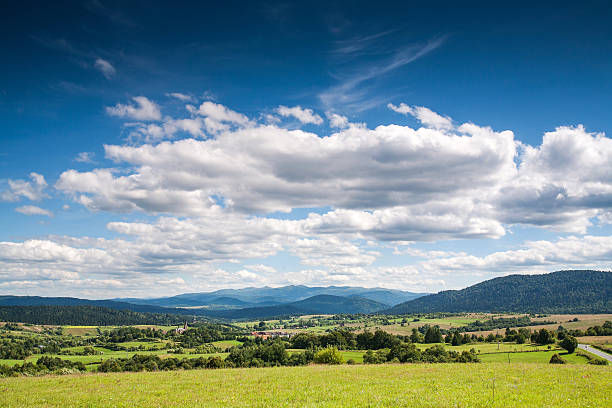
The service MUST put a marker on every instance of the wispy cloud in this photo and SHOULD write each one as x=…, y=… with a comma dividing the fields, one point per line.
x=354, y=87
x=84, y=157
x=114, y=15
x=33, y=210
x=105, y=67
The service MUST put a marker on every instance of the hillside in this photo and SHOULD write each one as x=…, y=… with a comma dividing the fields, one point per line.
x=266, y=296
x=83, y=316
x=557, y=292
x=69, y=301
x=320, y=304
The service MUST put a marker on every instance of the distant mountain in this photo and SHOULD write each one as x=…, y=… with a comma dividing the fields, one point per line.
x=266, y=296
x=557, y=292
x=319, y=304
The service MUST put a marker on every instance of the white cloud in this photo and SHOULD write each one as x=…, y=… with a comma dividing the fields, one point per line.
x=265, y=169
x=33, y=210
x=34, y=190
x=424, y=115
x=590, y=252
x=105, y=67
x=561, y=184
x=354, y=85
x=84, y=157
x=304, y=115
x=337, y=121
x=181, y=96
x=220, y=113
x=144, y=109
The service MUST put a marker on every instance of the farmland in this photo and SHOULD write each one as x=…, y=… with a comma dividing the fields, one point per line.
x=420, y=385
x=225, y=365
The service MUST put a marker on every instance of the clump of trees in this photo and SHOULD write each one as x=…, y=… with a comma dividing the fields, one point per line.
x=44, y=365
x=409, y=353
x=154, y=363
x=266, y=355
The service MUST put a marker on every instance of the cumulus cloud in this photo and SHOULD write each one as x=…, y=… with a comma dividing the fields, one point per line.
x=424, y=115
x=266, y=168
x=562, y=183
x=337, y=121
x=304, y=115
x=32, y=190
x=33, y=210
x=144, y=109
x=593, y=252
x=105, y=67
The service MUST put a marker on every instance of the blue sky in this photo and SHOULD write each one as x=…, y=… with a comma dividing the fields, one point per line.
x=148, y=149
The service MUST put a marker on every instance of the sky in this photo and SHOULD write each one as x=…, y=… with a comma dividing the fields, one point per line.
x=150, y=149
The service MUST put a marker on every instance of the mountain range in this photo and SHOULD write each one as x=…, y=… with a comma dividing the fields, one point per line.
x=243, y=303
x=266, y=296
x=557, y=292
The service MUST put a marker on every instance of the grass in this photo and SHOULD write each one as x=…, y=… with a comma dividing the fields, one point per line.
x=482, y=348
x=223, y=344
x=418, y=385
x=533, y=357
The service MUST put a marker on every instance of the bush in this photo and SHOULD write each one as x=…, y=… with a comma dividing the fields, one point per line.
x=556, y=359
x=598, y=361
x=350, y=361
x=328, y=355
x=378, y=357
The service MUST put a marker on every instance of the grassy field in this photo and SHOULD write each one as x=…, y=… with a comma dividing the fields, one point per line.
x=418, y=385
x=533, y=357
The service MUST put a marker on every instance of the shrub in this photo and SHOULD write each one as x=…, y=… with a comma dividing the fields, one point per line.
x=556, y=359
x=328, y=355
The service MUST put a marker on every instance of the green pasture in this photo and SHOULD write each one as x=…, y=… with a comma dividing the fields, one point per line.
x=226, y=343
x=408, y=385
x=532, y=357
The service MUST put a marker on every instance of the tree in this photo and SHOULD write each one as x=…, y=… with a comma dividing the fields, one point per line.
x=569, y=343
x=416, y=337
x=456, y=340
x=433, y=335
x=545, y=337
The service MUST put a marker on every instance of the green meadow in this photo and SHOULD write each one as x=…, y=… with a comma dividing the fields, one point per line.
x=408, y=385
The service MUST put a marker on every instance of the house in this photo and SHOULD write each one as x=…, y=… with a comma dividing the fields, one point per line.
x=181, y=330
x=270, y=334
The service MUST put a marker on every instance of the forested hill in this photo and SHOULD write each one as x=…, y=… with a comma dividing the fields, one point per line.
x=557, y=292
x=69, y=301
x=83, y=316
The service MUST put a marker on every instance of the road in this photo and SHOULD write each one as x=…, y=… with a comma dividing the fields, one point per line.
x=596, y=352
